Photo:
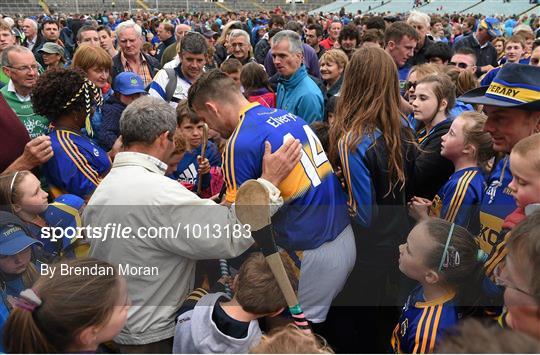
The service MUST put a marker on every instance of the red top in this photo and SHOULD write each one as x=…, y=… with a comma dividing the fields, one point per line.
x=268, y=99
x=13, y=134
x=327, y=43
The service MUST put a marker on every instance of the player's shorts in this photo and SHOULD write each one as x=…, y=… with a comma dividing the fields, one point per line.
x=323, y=274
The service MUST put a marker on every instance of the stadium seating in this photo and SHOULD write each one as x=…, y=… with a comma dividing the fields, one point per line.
x=485, y=7
x=32, y=7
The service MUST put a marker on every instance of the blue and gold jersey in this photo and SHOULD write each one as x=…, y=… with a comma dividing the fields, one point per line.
x=497, y=204
x=78, y=164
x=422, y=323
x=315, y=209
x=458, y=201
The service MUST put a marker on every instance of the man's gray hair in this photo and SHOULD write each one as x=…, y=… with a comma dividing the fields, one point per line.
x=419, y=17
x=128, y=24
x=145, y=119
x=33, y=22
x=295, y=43
x=239, y=33
x=4, y=58
x=194, y=42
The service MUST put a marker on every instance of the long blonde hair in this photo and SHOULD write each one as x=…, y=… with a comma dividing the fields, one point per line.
x=369, y=100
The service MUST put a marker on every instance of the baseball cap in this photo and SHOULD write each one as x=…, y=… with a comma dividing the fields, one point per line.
x=128, y=83
x=52, y=48
x=13, y=240
x=208, y=33
x=492, y=25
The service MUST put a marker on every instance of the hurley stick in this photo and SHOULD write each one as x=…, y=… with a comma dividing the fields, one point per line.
x=203, y=155
x=253, y=208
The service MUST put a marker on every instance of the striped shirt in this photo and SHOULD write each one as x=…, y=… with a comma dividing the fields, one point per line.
x=421, y=323
x=78, y=164
x=458, y=201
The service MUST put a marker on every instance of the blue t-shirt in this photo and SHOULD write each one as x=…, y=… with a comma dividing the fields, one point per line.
x=78, y=164
x=497, y=204
x=458, y=201
x=4, y=314
x=422, y=323
x=187, y=169
x=315, y=209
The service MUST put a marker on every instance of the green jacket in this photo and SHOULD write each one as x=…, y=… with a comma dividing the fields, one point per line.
x=35, y=124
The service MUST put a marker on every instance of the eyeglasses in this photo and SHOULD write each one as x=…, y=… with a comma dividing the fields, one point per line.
x=26, y=68
x=500, y=280
x=409, y=85
x=459, y=65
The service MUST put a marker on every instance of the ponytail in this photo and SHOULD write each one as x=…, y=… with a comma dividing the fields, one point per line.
x=458, y=260
x=22, y=335
x=475, y=135
x=49, y=317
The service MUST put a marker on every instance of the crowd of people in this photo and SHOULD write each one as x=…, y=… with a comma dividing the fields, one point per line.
x=400, y=154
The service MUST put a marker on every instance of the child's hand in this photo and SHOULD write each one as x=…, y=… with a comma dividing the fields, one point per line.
x=419, y=207
x=204, y=165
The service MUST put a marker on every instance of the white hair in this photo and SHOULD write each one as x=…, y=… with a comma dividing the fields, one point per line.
x=9, y=21
x=128, y=24
x=33, y=22
x=523, y=27
x=239, y=33
x=419, y=17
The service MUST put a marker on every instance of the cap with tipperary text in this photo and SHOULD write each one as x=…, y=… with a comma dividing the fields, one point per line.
x=13, y=240
x=515, y=86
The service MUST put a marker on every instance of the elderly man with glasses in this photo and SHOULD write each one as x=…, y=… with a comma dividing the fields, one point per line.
x=20, y=65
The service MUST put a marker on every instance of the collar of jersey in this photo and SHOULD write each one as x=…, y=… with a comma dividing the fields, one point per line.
x=438, y=301
x=247, y=108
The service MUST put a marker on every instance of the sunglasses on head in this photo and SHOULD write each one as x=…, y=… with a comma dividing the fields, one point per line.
x=459, y=65
x=409, y=85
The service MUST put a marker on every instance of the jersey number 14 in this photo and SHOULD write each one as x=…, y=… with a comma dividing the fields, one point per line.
x=317, y=152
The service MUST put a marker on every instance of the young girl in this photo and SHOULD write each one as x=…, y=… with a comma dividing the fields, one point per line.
x=374, y=150
x=447, y=263
x=21, y=194
x=72, y=313
x=468, y=147
x=18, y=268
x=435, y=95
x=256, y=86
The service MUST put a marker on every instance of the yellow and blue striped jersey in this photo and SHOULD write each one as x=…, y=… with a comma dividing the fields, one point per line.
x=497, y=204
x=458, y=201
x=78, y=164
x=315, y=209
x=422, y=323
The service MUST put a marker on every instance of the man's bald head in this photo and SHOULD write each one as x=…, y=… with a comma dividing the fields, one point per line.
x=180, y=31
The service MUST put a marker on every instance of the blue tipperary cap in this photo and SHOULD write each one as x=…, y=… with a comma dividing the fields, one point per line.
x=515, y=86
x=128, y=83
x=13, y=240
